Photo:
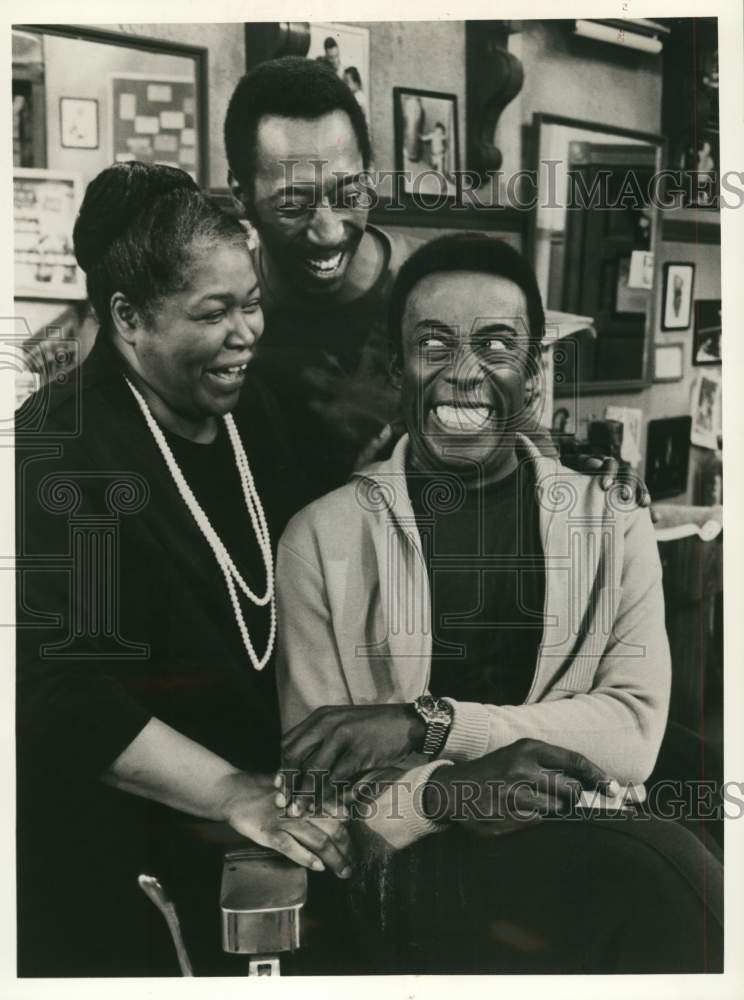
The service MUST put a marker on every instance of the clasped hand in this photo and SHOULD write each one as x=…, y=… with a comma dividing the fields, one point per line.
x=340, y=743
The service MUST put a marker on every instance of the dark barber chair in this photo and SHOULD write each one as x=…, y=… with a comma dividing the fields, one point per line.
x=261, y=896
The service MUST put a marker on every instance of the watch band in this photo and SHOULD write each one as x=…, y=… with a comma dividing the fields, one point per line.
x=436, y=737
x=437, y=715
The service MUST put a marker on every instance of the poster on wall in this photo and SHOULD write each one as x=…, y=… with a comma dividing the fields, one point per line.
x=344, y=48
x=153, y=120
x=45, y=204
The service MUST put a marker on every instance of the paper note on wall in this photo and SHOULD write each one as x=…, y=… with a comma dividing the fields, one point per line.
x=147, y=124
x=641, y=274
x=172, y=119
x=188, y=105
x=159, y=93
x=166, y=143
x=127, y=107
x=188, y=137
x=188, y=156
x=139, y=144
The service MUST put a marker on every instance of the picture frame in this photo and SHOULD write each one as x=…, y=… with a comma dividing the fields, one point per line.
x=706, y=409
x=669, y=362
x=706, y=341
x=155, y=57
x=350, y=60
x=677, y=296
x=427, y=144
x=667, y=456
x=45, y=206
x=78, y=122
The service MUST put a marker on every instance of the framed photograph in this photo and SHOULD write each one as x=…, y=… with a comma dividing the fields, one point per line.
x=45, y=205
x=427, y=147
x=706, y=410
x=667, y=456
x=676, y=310
x=78, y=122
x=345, y=48
x=706, y=343
x=668, y=362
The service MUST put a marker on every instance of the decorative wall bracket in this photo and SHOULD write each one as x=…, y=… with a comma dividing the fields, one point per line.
x=494, y=78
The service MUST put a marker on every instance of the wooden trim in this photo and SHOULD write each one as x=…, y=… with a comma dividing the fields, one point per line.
x=506, y=220
x=690, y=231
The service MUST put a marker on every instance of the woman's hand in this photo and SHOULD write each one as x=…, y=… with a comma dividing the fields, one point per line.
x=341, y=743
x=317, y=842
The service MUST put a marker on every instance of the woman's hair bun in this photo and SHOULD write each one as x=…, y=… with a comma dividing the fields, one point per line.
x=115, y=198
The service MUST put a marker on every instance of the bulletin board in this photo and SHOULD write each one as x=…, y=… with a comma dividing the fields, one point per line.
x=154, y=120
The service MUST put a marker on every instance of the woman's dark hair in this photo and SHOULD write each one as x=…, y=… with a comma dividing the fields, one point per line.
x=466, y=252
x=136, y=233
x=353, y=72
x=290, y=87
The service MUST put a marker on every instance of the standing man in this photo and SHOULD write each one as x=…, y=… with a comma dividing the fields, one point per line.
x=298, y=151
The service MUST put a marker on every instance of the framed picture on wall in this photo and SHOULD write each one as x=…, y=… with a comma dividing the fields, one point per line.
x=706, y=343
x=676, y=305
x=78, y=122
x=427, y=148
x=668, y=362
x=706, y=409
x=345, y=49
x=667, y=456
x=45, y=205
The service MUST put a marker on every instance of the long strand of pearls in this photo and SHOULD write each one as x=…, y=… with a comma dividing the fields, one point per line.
x=223, y=557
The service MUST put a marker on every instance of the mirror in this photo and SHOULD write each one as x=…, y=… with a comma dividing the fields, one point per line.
x=85, y=98
x=592, y=230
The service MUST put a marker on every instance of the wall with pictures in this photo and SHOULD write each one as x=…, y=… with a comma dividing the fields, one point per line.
x=669, y=399
x=577, y=78
x=425, y=55
x=87, y=76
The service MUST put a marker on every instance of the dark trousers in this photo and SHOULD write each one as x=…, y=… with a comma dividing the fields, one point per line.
x=601, y=895
x=582, y=896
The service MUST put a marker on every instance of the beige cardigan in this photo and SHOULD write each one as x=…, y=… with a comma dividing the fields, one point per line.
x=353, y=605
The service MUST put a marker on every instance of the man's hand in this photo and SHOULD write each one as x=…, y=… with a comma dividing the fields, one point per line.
x=343, y=742
x=514, y=787
x=316, y=842
x=611, y=473
x=353, y=403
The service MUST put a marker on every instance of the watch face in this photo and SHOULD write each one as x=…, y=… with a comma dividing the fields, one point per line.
x=434, y=709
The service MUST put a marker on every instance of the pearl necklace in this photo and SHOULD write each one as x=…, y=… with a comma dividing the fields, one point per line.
x=258, y=521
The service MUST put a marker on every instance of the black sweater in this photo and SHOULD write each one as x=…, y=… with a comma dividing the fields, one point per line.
x=102, y=650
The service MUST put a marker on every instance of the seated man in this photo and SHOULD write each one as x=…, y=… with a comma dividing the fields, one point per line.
x=489, y=624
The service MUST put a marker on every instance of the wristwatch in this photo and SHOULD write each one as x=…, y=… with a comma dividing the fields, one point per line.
x=437, y=715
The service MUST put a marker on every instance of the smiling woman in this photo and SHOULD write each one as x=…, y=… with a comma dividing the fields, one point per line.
x=149, y=675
